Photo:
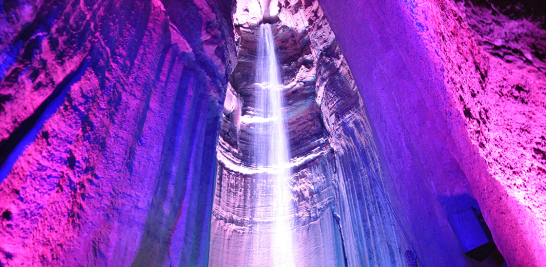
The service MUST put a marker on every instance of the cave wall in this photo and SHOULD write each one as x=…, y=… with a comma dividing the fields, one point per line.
x=459, y=121
x=110, y=113
x=334, y=159
x=108, y=124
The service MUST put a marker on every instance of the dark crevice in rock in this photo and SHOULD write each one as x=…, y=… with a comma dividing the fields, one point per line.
x=6, y=215
x=71, y=160
x=4, y=99
x=34, y=122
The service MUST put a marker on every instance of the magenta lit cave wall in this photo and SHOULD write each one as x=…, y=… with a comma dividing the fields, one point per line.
x=125, y=131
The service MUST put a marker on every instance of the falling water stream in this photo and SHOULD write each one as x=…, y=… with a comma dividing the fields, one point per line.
x=272, y=150
x=334, y=213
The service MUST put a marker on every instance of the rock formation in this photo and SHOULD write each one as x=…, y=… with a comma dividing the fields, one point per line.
x=464, y=124
x=110, y=113
x=124, y=129
x=334, y=159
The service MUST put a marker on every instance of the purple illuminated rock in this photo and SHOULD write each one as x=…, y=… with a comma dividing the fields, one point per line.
x=108, y=123
x=456, y=125
x=111, y=111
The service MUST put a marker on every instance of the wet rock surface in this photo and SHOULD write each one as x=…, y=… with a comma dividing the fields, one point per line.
x=334, y=161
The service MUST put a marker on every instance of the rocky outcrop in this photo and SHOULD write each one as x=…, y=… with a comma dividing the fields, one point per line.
x=108, y=122
x=459, y=124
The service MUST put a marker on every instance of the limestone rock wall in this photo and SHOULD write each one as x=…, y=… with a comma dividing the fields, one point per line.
x=334, y=158
x=108, y=123
x=110, y=113
x=456, y=100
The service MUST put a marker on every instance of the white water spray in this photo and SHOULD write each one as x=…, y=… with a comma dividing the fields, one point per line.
x=272, y=149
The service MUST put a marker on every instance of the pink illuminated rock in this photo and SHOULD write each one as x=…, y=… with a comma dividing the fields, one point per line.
x=110, y=111
x=112, y=120
x=454, y=122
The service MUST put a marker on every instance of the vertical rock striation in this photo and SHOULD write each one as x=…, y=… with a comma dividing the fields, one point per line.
x=108, y=123
x=336, y=172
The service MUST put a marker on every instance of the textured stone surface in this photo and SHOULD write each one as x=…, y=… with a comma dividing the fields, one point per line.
x=514, y=31
x=110, y=113
x=504, y=105
x=109, y=119
x=335, y=165
x=454, y=122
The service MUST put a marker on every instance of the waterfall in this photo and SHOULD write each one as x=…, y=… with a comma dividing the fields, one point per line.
x=271, y=150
